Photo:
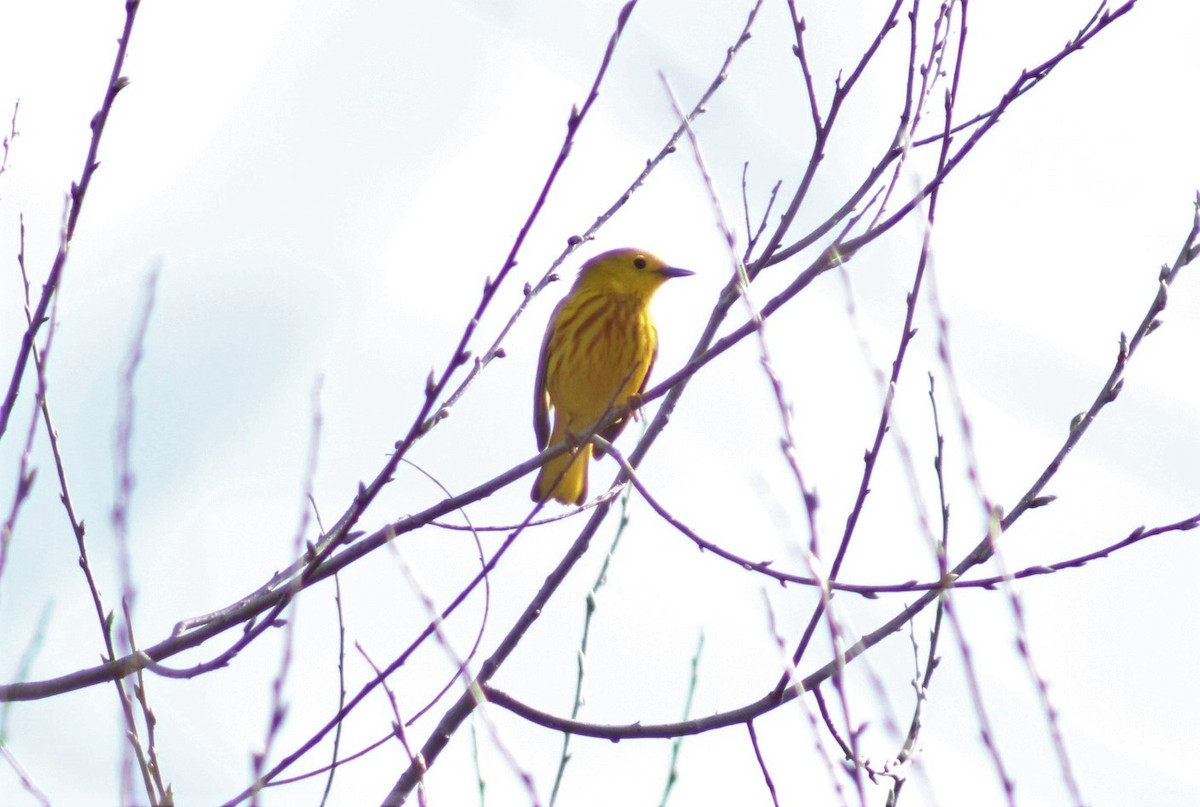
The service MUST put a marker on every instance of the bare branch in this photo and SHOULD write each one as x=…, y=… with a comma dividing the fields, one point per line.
x=116, y=83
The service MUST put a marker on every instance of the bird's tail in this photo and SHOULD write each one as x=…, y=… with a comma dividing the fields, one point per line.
x=564, y=478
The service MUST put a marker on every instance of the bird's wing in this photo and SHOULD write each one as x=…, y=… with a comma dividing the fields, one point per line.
x=541, y=396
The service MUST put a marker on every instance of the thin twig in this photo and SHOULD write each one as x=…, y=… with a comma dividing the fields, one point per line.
x=116, y=83
x=26, y=471
x=124, y=480
x=420, y=761
x=922, y=680
x=10, y=137
x=341, y=663
x=487, y=596
x=465, y=675
x=762, y=763
x=589, y=611
x=277, y=711
x=677, y=743
x=23, y=776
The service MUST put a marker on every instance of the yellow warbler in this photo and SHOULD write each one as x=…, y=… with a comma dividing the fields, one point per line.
x=597, y=353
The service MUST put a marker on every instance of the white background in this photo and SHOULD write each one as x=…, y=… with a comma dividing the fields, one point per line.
x=323, y=189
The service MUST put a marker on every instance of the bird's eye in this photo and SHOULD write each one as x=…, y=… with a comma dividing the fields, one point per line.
x=639, y=262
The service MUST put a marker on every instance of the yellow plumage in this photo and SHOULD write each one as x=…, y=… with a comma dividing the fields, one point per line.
x=597, y=353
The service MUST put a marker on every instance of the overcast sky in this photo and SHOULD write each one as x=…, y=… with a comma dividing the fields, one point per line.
x=322, y=190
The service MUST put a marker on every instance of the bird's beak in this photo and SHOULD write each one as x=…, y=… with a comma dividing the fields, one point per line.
x=674, y=271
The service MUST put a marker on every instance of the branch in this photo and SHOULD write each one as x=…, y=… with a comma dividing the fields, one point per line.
x=116, y=83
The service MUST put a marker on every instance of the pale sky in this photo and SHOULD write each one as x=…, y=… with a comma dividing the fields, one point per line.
x=323, y=189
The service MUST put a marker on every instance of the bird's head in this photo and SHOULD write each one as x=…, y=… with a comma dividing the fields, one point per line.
x=628, y=271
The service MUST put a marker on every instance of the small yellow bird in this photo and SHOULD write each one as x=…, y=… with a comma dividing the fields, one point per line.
x=597, y=353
